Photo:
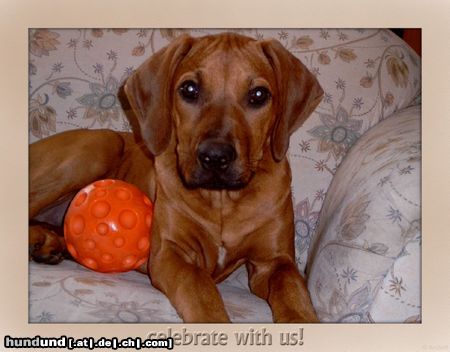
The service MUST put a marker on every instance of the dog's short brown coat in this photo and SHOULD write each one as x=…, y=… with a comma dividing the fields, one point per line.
x=206, y=223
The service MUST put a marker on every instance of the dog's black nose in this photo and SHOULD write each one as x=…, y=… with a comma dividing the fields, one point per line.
x=215, y=155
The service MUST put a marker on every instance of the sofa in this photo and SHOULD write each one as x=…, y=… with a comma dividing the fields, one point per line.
x=355, y=163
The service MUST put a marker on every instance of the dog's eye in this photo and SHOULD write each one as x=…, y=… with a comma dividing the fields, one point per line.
x=189, y=90
x=258, y=96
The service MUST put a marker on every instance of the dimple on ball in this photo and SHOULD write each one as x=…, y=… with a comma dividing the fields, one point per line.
x=107, y=226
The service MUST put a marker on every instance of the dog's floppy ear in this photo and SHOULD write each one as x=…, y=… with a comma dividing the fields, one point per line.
x=149, y=92
x=298, y=94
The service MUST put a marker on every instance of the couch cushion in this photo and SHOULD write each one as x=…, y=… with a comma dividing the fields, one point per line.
x=70, y=293
x=365, y=260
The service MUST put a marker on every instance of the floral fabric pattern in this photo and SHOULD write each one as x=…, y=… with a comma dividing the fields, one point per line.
x=367, y=75
x=70, y=293
x=337, y=134
x=365, y=263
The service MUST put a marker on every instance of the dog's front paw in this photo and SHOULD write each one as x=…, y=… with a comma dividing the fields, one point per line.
x=45, y=245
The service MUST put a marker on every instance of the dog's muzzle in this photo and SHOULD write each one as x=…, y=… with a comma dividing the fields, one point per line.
x=215, y=156
x=216, y=168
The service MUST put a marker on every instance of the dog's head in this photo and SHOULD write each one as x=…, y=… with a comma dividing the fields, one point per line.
x=224, y=100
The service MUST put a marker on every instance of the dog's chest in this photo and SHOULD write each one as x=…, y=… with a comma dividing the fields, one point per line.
x=230, y=221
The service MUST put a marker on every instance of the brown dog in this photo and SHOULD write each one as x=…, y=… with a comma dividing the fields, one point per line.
x=215, y=116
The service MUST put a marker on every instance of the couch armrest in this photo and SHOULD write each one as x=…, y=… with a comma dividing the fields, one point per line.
x=364, y=264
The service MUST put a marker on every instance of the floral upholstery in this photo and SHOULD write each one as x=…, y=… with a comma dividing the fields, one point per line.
x=365, y=264
x=70, y=293
x=367, y=76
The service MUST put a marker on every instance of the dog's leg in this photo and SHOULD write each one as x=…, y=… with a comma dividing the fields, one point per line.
x=59, y=166
x=190, y=289
x=279, y=282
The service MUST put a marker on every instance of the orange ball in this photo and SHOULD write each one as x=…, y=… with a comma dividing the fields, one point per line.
x=107, y=226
